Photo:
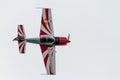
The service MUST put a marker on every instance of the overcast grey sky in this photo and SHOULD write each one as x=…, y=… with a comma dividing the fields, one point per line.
x=94, y=51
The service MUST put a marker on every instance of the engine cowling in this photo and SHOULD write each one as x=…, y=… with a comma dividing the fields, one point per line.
x=61, y=41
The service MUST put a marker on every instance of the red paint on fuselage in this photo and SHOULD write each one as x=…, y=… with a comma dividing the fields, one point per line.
x=63, y=41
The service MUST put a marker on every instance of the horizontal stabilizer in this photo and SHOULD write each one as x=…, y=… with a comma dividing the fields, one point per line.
x=21, y=39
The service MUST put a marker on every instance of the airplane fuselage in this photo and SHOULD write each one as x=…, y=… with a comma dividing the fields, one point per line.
x=47, y=41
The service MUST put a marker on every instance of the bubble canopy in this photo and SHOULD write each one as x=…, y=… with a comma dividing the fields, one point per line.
x=47, y=40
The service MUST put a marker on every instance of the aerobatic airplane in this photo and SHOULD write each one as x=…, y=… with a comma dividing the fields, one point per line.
x=46, y=40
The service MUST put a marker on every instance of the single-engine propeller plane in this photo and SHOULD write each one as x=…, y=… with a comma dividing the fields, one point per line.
x=46, y=40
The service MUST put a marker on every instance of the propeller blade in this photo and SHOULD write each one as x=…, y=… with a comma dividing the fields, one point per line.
x=68, y=36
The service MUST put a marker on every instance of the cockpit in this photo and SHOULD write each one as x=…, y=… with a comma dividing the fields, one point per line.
x=47, y=40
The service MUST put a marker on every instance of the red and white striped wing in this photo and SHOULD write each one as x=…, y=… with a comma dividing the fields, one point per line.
x=46, y=23
x=21, y=43
x=48, y=53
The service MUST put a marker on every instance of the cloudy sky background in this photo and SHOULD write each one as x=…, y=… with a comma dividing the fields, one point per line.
x=94, y=51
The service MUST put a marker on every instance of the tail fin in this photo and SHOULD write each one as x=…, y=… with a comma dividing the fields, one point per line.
x=21, y=39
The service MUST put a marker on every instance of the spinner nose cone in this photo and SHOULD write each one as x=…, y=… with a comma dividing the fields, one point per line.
x=68, y=41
